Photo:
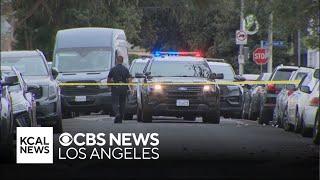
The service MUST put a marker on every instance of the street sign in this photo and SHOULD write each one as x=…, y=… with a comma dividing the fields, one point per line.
x=241, y=37
x=260, y=56
x=274, y=43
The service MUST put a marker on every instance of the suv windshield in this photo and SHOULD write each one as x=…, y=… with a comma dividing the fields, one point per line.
x=180, y=69
x=27, y=66
x=226, y=70
x=137, y=67
x=83, y=59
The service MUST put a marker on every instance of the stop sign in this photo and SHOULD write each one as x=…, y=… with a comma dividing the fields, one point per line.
x=260, y=56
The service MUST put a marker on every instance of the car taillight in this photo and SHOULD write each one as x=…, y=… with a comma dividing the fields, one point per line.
x=290, y=92
x=314, y=101
x=271, y=88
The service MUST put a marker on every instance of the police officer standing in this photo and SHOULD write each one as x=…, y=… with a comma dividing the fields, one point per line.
x=119, y=74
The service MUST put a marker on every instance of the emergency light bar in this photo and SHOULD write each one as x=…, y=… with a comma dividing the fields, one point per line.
x=181, y=53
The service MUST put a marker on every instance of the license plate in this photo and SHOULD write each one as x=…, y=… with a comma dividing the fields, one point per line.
x=182, y=102
x=81, y=98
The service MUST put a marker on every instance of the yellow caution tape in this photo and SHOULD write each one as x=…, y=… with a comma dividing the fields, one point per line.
x=182, y=83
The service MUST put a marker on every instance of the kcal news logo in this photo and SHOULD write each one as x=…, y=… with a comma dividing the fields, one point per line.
x=34, y=145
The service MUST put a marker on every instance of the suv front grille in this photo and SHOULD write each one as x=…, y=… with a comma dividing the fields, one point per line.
x=192, y=93
x=80, y=89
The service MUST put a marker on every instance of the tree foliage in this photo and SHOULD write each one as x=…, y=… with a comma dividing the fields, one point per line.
x=206, y=25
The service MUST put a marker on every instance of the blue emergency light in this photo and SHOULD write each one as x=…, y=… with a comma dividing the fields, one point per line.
x=174, y=53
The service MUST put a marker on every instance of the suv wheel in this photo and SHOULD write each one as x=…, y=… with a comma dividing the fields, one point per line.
x=297, y=126
x=316, y=130
x=212, y=117
x=146, y=115
x=286, y=125
x=264, y=116
x=57, y=128
x=128, y=116
x=139, y=114
x=189, y=118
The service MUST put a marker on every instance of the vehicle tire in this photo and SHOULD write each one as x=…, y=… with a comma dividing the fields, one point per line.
x=189, y=118
x=128, y=116
x=146, y=115
x=245, y=114
x=305, y=131
x=139, y=114
x=264, y=116
x=212, y=117
x=57, y=128
x=66, y=114
x=286, y=125
x=316, y=130
x=297, y=120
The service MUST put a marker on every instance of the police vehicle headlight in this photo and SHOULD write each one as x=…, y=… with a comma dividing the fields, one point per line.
x=208, y=88
x=155, y=88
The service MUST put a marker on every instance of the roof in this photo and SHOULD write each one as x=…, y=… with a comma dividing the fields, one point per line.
x=6, y=68
x=140, y=60
x=178, y=58
x=19, y=53
x=287, y=67
x=90, y=37
x=305, y=69
x=218, y=63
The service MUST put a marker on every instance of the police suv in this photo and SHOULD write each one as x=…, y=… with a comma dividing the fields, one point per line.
x=179, y=85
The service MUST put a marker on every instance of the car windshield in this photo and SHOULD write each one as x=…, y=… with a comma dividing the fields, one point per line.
x=180, y=69
x=83, y=59
x=300, y=75
x=227, y=71
x=137, y=67
x=27, y=66
x=282, y=74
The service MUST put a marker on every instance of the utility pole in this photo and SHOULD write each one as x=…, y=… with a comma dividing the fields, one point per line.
x=241, y=45
x=299, y=49
x=270, y=39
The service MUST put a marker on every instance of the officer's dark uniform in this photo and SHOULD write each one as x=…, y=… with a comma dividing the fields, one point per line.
x=119, y=74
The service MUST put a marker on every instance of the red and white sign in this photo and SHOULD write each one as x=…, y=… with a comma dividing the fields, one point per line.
x=260, y=56
x=241, y=37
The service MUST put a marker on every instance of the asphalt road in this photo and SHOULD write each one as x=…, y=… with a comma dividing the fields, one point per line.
x=234, y=148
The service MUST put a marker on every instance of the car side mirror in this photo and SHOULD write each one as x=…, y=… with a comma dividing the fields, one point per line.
x=10, y=81
x=139, y=75
x=291, y=87
x=54, y=72
x=32, y=88
x=216, y=76
x=305, y=89
x=248, y=86
x=239, y=78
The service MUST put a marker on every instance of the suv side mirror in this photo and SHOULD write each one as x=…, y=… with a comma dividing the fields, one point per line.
x=10, y=81
x=291, y=87
x=216, y=76
x=54, y=72
x=305, y=89
x=32, y=88
x=239, y=78
x=139, y=75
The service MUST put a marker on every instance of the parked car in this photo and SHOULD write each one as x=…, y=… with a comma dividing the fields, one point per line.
x=137, y=66
x=23, y=103
x=34, y=69
x=252, y=96
x=231, y=96
x=269, y=93
x=7, y=123
x=247, y=93
x=85, y=55
x=296, y=104
x=282, y=98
